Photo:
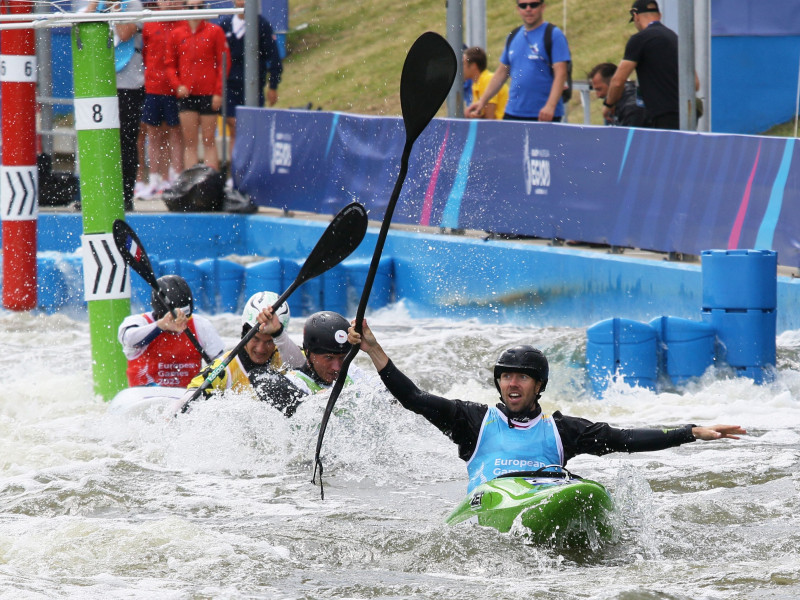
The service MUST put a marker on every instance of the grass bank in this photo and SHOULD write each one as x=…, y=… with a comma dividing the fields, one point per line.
x=347, y=55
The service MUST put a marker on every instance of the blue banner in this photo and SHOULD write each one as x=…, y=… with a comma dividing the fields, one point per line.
x=667, y=191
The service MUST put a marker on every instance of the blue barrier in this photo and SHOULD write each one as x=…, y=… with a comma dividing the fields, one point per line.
x=669, y=191
x=739, y=302
x=686, y=348
x=621, y=348
x=223, y=282
x=263, y=276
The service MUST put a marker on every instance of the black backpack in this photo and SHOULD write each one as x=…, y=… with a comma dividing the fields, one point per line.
x=566, y=95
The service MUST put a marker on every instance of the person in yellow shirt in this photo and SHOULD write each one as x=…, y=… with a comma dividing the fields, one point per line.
x=475, y=68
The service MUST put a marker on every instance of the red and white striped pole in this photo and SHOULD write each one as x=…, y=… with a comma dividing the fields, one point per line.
x=19, y=181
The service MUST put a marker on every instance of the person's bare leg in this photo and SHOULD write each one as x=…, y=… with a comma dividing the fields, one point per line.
x=190, y=120
x=208, y=129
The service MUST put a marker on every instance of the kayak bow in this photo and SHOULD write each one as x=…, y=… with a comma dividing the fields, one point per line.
x=552, y=504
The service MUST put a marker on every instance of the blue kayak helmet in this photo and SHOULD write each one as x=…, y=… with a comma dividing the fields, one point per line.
x=326, y=333
x=522, y=359
x=177, y=291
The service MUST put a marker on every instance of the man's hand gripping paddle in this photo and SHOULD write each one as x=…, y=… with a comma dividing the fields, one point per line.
x=428, y=74
x=338, y=241
x=134, y=254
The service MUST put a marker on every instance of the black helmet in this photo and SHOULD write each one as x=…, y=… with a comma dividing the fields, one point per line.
x=326, y=333
x=178, y=292
x=522, y=359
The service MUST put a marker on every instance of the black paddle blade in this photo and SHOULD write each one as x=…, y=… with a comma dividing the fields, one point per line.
x=338, y=241
x=133, y=252
x=428, y=74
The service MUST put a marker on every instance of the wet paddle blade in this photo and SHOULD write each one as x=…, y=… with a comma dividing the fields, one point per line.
x=342, y=236
x=133, y=251
x=428, y=74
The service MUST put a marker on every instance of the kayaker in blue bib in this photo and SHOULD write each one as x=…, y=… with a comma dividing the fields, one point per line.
x=515, y=435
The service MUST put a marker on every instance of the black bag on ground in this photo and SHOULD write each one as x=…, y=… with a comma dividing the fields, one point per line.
x=56, y=188
x=198, y=189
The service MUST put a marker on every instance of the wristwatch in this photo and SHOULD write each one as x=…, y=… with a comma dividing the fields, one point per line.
x=608, y=105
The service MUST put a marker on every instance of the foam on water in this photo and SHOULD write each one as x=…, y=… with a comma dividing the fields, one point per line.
x=218, y=502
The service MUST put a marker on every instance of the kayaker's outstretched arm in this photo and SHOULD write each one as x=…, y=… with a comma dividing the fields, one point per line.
x=580, y=436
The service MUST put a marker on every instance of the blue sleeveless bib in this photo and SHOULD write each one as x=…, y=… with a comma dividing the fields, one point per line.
x=501, y=449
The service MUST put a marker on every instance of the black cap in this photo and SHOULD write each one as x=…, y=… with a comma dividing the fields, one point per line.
x=643, y=6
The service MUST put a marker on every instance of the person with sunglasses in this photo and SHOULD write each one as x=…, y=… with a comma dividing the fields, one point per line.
x=653, y=52
x=537, y=79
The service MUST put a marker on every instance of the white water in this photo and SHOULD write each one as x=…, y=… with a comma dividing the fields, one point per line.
x=219, y=504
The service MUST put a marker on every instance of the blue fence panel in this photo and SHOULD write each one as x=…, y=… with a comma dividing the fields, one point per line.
x=659, y=190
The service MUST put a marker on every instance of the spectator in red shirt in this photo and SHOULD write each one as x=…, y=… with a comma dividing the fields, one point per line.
x=160, y=114
x=196, y=54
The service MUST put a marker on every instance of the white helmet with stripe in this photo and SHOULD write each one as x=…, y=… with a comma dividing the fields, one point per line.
x=256, y=304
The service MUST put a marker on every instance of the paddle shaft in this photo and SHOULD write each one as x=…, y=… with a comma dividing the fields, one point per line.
x=362, y=306
x=428, y=74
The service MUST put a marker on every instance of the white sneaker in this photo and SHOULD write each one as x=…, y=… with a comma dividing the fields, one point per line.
x=142, y=190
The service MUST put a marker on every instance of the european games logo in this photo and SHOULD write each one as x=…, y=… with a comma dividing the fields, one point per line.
x=281, y=159
x=536, y=169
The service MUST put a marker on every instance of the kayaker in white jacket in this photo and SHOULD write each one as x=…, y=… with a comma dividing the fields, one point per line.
x=515, y=435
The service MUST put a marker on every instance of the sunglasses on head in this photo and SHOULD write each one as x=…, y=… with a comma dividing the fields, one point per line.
x=524, y=5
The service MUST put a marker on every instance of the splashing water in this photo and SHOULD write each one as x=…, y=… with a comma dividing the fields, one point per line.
x=219, y=503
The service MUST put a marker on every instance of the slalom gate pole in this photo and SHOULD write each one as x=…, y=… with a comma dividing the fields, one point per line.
x=19, y=206
x=106, y=279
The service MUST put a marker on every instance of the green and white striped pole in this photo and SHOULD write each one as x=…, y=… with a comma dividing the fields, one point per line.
x=105, y=276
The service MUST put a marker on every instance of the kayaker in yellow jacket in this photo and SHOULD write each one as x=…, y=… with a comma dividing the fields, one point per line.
x=271, y=347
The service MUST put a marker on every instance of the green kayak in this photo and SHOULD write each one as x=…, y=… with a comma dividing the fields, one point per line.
x=554, y=506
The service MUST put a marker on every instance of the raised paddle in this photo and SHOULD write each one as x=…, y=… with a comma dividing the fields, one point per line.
x=340, y=238
x=134, y=254
x=428, y=74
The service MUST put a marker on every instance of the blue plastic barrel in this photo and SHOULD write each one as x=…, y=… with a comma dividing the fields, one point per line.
x=740, y=279
x=263, y=276
x=621, y=348
x=740, y=289
x=381, y=293
x=52, y=290
x=193, y=275
x=307, y=298
x=747, y=339
x=224, y=281
x=686, y=348
x=335, y=290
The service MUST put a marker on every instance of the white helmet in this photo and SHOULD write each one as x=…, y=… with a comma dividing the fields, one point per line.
x=257, y=303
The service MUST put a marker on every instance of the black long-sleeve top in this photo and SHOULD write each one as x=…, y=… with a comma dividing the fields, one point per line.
x=461, y=422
